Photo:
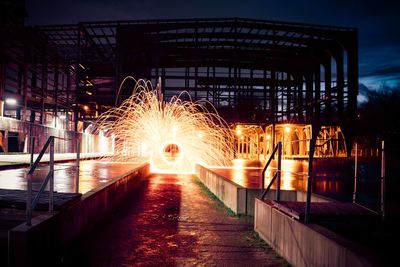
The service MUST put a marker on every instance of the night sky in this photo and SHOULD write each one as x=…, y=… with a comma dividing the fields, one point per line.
x=378, y=22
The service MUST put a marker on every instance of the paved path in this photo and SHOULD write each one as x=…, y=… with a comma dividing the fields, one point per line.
x=172, y=221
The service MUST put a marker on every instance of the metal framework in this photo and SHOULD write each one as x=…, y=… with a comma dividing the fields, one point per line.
x=250, y=70
x=257, y=143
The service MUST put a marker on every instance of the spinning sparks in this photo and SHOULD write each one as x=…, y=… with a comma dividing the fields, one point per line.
x=173, y=136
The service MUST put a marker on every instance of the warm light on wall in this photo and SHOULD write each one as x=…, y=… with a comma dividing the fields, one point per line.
x=238, y=131
x=88, y=129
x=287, y=129
x=103, y=144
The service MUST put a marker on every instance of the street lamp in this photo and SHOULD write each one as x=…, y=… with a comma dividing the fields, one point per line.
x=11, y=101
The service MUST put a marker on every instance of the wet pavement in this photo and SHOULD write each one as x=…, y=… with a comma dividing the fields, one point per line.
x=172, y=221
x=92, y=173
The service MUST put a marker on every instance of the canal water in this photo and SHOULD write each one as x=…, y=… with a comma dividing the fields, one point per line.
x=332, y=177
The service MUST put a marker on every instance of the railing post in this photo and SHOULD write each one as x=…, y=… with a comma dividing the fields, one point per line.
x=78, y=156
x=355, y=172
x=383, y=181
x=265, y=169
x=29, y=188
x=262, y=181
x=32, y=149
x=278, y=185
x=29, y=200
x=309, y=180
x=51, y=191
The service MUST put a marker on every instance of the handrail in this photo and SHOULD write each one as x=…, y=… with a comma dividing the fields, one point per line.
x=30, y=205
x=41, y=153
x=269, y=186
x=278, y=148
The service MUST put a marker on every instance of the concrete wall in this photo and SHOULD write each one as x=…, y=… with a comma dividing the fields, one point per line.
x=231, y=194
x=42, y=243
x=241, y=200
x=89, y=142
x=305, y=245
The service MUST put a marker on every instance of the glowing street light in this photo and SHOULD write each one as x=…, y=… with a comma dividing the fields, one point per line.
x=11, y=101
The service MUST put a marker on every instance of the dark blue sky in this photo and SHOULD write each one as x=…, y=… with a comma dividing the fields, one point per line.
x=378, y=21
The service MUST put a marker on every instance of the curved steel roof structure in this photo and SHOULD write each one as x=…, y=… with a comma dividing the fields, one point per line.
x=251, y=70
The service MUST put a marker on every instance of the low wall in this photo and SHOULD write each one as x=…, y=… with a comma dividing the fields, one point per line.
x=301, y=196
x=305, y=244
x=240, y=199
x=231, y=194
x=42, y=243
x=19, y=132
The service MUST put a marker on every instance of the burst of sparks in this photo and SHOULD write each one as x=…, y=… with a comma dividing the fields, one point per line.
x=145, y=128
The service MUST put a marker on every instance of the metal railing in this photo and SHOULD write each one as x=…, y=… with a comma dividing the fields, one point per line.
x=30, y=205
x=277, y=175
x=382, y=180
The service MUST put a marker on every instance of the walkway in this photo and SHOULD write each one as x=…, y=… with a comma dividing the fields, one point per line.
x=172, y=221
x=10, y=159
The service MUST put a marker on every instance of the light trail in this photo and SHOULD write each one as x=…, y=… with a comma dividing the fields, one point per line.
x=173, y=136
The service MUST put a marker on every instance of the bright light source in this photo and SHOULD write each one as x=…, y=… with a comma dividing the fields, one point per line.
x=268, y=137
x=86, y=108
x=89, y=93
x=287, y=129
x=170, y=131
x=88, y=129
x=11, y=101
x=238, y=131
x=62, y=117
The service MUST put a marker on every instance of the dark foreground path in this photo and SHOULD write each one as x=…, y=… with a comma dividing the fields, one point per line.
x=172, y=221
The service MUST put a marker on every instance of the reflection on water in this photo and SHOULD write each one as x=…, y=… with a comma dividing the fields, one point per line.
x=91, y=174
x=332, y=178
